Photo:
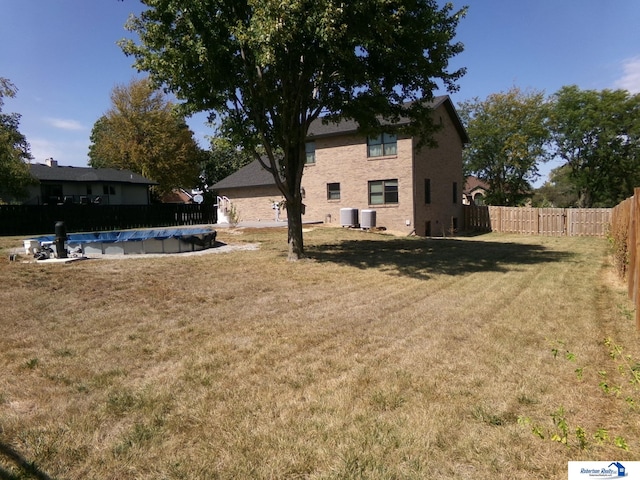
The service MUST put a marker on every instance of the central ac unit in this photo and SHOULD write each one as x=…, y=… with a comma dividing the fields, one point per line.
x=349, y=217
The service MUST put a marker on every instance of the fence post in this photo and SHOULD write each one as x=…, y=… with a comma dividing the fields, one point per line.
x=634, y=230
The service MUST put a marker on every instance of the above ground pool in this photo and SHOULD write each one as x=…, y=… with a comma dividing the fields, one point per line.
x=165, y=240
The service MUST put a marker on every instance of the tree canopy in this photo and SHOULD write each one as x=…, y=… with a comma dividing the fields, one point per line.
x=267, y=68
x=509, y=137
x=558, y=191
x=220, y=161
x=597, y=133
x=14, y=150
x=142, y=132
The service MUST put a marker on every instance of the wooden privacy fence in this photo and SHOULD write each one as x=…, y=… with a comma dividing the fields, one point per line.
x=625, y=231
x=41, y=219
x=592, y=222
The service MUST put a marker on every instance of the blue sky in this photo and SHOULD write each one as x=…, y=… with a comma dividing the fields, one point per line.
x=63, y=58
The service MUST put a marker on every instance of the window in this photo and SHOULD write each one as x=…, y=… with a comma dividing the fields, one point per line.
x=108, y=190
x=427, y=191
x=385, y=144
x=51, y=193
x=455, y=192
x=333, y=191
x=310, y=152
x=383, y=192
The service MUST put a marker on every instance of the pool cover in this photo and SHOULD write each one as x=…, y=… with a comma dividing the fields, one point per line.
x=129, y=235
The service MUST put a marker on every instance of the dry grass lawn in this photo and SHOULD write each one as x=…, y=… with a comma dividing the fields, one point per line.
x=378, y=357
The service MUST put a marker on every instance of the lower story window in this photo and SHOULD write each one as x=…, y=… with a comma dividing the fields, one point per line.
x=333, y=191
x=383, y=192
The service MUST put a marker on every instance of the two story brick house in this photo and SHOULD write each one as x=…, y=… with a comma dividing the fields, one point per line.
x=410, y=189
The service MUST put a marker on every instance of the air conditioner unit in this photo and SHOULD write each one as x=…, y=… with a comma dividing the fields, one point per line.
x=368, y=219
x=349, y=217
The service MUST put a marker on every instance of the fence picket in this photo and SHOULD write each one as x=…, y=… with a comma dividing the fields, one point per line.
x=538, y=221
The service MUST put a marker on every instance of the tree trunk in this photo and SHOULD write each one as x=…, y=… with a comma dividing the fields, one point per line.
x=294, y=227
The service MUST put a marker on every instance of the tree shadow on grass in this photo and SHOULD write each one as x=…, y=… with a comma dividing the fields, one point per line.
x=422, y=257
x=27, y=469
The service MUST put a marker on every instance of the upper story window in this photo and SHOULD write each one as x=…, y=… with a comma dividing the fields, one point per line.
x=310, y=152
x=382, y=192
x=385, y=144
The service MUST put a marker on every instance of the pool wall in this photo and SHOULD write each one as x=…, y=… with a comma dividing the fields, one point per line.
x=133, y=242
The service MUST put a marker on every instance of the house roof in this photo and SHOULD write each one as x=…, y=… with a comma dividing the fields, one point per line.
x=319, y=129
x=86, y=175
x=251, y=175
x=474, y=183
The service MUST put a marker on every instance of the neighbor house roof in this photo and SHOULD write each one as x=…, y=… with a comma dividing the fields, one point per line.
x=45, y=173
x=473, y=183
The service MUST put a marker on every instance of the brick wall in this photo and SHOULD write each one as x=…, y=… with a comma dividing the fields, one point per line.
x=442, y=166
x=253, y=204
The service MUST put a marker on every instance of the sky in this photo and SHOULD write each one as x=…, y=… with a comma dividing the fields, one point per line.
x=63, y=58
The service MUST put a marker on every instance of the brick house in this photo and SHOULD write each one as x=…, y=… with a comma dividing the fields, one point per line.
x=410, y=190
x=474, y=191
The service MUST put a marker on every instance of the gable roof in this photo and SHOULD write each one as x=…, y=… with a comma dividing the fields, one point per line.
x=251, y=175
x=473, y=183
x=86, y=175
x=319, y=129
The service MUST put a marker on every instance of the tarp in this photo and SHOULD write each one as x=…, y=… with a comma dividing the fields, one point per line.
x=129, y=235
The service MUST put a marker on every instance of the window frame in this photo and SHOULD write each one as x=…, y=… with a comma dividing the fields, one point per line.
x=427, y=191
x=386, y=142
x=310, y=153
x=331, y=192
x=389, y=192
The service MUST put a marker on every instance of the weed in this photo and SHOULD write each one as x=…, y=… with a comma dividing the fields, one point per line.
x=32, y=363
x=63, y=352
x=387, y=401
x=562, y=428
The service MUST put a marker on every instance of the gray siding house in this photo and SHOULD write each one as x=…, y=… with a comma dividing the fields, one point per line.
x=82, y=185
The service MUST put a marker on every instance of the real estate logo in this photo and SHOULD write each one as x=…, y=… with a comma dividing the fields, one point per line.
x=600, y=470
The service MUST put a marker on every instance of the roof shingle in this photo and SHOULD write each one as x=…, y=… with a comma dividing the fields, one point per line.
x=86, y=175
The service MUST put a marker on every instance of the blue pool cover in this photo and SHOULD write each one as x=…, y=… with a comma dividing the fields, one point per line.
x=129, y=235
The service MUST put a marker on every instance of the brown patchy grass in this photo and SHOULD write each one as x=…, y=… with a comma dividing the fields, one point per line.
x=379, y=357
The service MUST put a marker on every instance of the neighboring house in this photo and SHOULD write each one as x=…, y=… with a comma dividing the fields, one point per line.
x=410, y=190
x=83, y=185
x=177, y=195
x=475, y=190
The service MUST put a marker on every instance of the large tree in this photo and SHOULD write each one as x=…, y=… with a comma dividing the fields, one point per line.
x=268, y=68
x=558, y=191
x=508, y=138
x=14, y=150
x=597, y=133
x=144, y=133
